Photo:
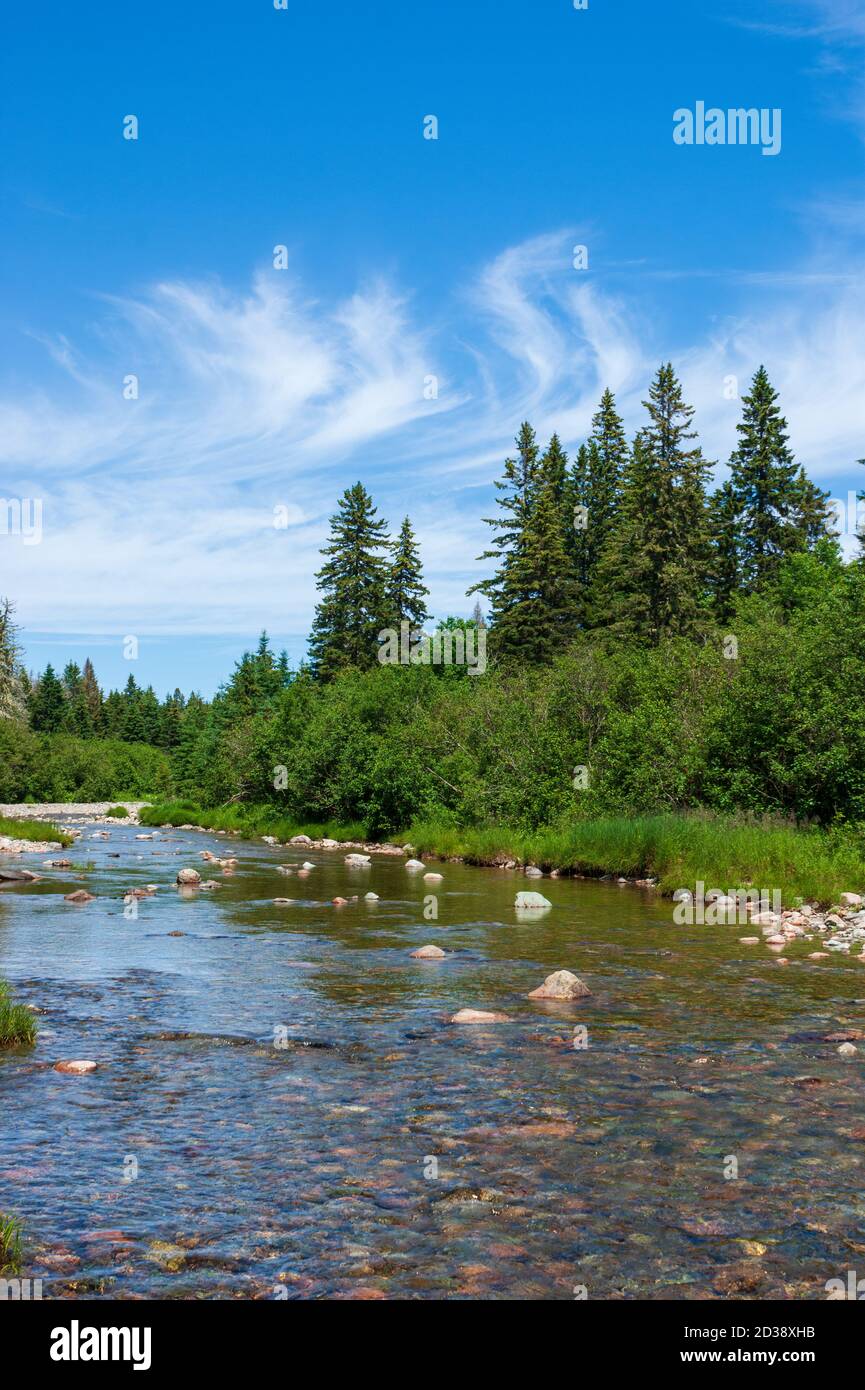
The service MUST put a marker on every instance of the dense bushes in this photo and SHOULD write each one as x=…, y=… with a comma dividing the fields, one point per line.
x=58, y=767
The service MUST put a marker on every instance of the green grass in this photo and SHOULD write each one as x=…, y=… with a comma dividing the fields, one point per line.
x=17, y=1024
x=118, y=812
x=10, y=1245
x=250, y=821
x=677, y=850
x=38, y=830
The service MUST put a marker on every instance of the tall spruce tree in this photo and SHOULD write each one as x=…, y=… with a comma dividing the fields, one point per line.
x=535, y=607
x=352, y=582
x=93, y=695
x=517, y=491
x=405, y=591
x=607, y=460
x=778, y=509
x=725, y=518
x=13, y=701
x=652, y=580
x=48, y=703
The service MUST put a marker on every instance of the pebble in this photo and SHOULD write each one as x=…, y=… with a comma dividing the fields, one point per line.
x=478, y=1016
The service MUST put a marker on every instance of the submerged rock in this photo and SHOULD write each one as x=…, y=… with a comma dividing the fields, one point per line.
x=429, y=953
x=188, y=878
x=359, y=860
x=75, y=1068
x=433, y=878
x=479, y=1016
x=80, y=896
x=18, y=876
x=561, y=985
x=415, y=864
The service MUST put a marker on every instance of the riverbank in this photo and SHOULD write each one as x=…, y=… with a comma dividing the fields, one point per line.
x=30, y=835
x=672, y=852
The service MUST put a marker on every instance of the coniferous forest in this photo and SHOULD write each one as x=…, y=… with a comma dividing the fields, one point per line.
x=653, y=644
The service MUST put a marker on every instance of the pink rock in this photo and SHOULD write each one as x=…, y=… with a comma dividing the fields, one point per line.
x=429, y=953
x=750, y=940
x=340, y=902
x=79, y=897
x=561, y=985
x=188, y=878
x=776, y=940
x=478, y=1016
x=75, y=1068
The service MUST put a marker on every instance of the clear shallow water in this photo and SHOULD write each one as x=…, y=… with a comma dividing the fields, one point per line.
x=307, y=1169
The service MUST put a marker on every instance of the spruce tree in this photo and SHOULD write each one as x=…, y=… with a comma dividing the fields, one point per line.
x=48, y=704
x=406, y=594
x=535, y=608
x=725, y=576
x=77, y=720
x=652, y=580
x=13, y=701
x=352, y=582
x=93, y=696
x=607, y=460
x=517, y=488
x=777, y=510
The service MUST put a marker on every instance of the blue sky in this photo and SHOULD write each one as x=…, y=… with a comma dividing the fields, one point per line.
x=408, y=258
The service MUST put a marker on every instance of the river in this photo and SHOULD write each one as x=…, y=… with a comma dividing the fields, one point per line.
x=283, y=1109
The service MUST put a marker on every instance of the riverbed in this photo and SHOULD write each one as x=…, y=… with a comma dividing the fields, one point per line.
x=282, y=1107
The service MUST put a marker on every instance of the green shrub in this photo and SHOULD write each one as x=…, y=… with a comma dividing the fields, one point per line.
x=17, y=1024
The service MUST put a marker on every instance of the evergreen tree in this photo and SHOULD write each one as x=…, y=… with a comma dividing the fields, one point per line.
x=517, y=489
x=779, y=510
x=93, y=696
x=352, y=582
x=606, y=463
x=814, y=519
x=535, y=608
x=48, y=703
x=406, y=593
x=725, y=519
x=77, y=720
x=652, y=579
x=13, y=694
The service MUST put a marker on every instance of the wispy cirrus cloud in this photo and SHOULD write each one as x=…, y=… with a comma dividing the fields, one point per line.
x=159, y=512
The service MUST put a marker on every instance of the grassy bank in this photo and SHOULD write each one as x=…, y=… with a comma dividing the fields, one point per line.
x=17, y=1024
x=677, y=850
x=250, y=821
x=36, y=830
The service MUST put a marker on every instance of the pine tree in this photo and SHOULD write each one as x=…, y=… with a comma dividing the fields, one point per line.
x=813, y=518
x=535, y=608
x=406, y=594
x=517, y=489
x=77, y=719
x=652, y=579
x=607, y=461
x=352, y=582
x=93, y=696
x=48, y=703
x=778, y=508
x=13, y=700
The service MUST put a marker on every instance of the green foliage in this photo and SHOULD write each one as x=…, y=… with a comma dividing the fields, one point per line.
x=45, y=767
x=10, y=1245
x=353, y=585
x=406, y=594
x=117, y=812
x=17, y=1027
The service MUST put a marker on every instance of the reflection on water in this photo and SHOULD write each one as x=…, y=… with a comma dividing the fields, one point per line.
x=283, y=1109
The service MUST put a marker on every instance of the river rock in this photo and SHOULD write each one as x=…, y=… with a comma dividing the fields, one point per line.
x=300, y=840
x=531, y=900
x=414, y=864
x=58, y=863
x=532, y=871
x=561, y=985
x=371, y=897
x=357, y=860
x=8, y=875
x=750, y=940
x=847, y=1050
x=851, y=900
x=209, y=883
x=188, y=878
x=80, y=896
x=479, y=1016
x=75, y=1068
x=433, y=878
x=283, y=902
x=307, y=866
x=340, y=902
x=429, y=953
x=765, y=919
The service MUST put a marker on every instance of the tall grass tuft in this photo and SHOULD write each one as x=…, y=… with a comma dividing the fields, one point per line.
x=251, y=821
x=17, y=1024
x=38, y=830
x=10, y=1245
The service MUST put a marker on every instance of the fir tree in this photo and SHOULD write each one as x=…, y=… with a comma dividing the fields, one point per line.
x=517, y=489
x=779, y=511
x=48, y=703
x=652, y=580
x=77, y=719
x=13, y=695
x=725, y=518
x=535, y=608
x=93, y=696
x=406, y=593
x=606, y=463
x=352, y=583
